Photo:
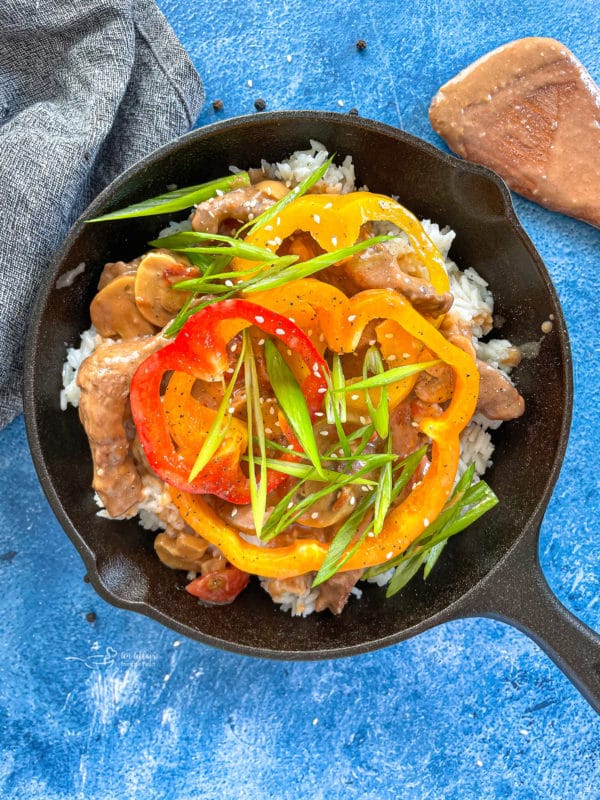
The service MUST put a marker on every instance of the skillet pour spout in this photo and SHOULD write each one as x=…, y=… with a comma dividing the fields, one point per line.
x=490, y=569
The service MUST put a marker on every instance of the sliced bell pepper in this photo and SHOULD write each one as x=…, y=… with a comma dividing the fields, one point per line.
x=342, y=322
x=334, y=221
x=200, y=352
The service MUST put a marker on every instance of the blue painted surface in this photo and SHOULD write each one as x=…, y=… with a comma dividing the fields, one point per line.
x=121, y=707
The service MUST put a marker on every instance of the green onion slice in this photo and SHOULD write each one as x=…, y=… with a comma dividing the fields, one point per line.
x=216, y=432
x=179, y=199
x=292, y=402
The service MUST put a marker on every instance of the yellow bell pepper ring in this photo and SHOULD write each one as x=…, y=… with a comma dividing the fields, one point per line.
x=334, y=221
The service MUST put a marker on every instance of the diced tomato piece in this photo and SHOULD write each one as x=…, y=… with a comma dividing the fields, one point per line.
x=219, y=587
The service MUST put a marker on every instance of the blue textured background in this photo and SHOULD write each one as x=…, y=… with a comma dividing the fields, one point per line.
x=122, y=708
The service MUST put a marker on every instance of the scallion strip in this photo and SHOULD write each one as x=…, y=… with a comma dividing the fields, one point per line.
x=215, y=432
x=390, y=376
x=258, y=491
x=177, y=200
x=292, y=402
x=380, y=413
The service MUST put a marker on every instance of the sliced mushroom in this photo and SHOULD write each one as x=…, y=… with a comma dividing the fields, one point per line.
x=114, y=311
x=156, y=299
x=184, y=551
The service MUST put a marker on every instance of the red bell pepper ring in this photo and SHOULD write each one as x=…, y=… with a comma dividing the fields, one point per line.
x=200, y=351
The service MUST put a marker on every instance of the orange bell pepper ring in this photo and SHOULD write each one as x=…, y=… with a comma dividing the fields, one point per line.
x=342, y=321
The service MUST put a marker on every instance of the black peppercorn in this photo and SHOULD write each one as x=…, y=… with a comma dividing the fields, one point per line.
x=353, y=112
x=259, y=104
x=217, y=105
x=361, y=45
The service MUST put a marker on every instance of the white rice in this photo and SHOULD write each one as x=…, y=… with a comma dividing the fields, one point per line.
x=473, y=303
x=293, y=170
x=70, y=393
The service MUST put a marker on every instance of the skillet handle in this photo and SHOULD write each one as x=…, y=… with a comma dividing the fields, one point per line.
x=517, y=592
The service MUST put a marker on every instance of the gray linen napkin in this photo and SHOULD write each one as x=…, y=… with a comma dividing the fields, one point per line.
x=87, y=87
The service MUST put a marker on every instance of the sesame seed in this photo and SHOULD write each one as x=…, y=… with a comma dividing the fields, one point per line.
x=231, y=410
x=249, y=84
x=317, y=219
x=354, y=396
x=261, y=342
x=319, y=414
x=289, y=352
x=228, y=282
x=288, y=58
x=259, y=319
x=426, y=522
x=391, y=357
x=234, y=512
x=341, y=103
x=370, y=534
x=309, y=332
x=389, y=336
x=363, y=420
x=372, y=342
x=321, y=337
x=279, y=331
x=352, y=501
x=405, y=355
x=268, y=227
x=328, y=205
x=269, y=431
x=352, y=317
x=291, y=319
x=314, y=515
x=334, y=241
x=324, y=433
x=290, y=504
x=389, y=555
x=320, y=390
x=271, y=409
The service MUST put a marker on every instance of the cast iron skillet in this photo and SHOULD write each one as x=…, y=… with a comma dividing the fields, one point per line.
x=490, y=570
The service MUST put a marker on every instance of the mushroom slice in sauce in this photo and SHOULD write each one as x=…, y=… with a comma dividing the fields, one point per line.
x=114, y=312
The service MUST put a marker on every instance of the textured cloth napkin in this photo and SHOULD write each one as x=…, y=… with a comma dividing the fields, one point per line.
x=87, y=87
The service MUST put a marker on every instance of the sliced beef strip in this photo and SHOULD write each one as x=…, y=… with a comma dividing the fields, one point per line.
x=335, y=592
x=498, y=398
x=377, y=267
x=240, y=204
x=104, y=379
